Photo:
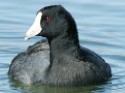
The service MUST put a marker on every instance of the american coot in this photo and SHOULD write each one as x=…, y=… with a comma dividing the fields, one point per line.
x=61, y=61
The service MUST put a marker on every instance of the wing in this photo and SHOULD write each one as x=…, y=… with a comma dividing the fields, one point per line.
x=29, y=66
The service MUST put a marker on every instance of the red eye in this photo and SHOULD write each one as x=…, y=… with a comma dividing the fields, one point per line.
x=48, y=19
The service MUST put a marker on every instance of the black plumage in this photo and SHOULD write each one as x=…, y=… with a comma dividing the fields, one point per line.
x=61, y=61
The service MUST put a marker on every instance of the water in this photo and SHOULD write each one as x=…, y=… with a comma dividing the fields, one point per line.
x=101, y=26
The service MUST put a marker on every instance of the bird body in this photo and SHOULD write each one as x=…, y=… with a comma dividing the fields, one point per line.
x=61, y=61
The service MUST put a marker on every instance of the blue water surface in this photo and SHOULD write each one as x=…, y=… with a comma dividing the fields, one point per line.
x=101, y=26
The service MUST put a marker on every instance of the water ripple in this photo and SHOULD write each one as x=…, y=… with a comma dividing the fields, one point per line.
x=101, y=26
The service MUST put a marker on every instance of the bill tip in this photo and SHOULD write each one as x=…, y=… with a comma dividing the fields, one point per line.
x=26, y=38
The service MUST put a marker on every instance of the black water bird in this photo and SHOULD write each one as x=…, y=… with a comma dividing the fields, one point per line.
x=59, y=60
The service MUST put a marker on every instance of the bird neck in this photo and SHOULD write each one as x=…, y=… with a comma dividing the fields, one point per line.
x=63, y=45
